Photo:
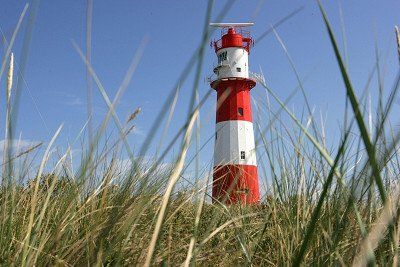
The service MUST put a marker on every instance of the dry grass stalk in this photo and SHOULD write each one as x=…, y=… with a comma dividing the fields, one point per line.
x=377, y=232
x=10, y=76
x=398, y=40
x=172, y=181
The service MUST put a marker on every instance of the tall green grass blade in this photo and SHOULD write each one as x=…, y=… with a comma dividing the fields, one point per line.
x=356, y=108
x=315, y=215
x=186, y=142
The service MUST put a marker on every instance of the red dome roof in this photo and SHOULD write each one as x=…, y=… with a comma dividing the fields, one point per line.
x=233, y=39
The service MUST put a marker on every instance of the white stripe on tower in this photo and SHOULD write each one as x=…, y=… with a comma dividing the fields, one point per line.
x=234, y=143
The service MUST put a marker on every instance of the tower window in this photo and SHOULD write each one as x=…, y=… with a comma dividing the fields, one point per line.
x=240, y=111
x=222, y=56
x=239, y=69
x=216, y=135
x=242, y=155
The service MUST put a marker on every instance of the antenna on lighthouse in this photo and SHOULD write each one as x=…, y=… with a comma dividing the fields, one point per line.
x=231, y=24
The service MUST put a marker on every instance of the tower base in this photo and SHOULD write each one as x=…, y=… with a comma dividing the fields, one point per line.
x=236, y=184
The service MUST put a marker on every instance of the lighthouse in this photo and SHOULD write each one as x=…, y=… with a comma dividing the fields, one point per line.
x=235, y=176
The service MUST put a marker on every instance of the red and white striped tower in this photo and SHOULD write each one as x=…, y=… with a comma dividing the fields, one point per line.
x=235, y=178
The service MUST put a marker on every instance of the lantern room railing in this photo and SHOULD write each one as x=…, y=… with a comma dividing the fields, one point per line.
x=247, y=40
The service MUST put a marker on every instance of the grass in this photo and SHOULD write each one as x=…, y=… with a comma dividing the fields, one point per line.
x=324, y=205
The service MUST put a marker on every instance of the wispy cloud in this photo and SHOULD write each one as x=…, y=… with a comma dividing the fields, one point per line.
x=19, y=145
x=71, y=99
x=138, y=131
x=74, y=101
x=146, y=163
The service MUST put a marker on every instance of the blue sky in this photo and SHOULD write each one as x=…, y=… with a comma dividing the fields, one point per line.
x=55, y=74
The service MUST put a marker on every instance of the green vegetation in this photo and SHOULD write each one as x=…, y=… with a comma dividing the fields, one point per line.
x=324, y=205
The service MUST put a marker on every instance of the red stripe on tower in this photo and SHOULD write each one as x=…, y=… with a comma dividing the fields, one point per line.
x=235, y=178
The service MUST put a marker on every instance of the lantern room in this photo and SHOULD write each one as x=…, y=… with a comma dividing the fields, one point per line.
x=232, y=51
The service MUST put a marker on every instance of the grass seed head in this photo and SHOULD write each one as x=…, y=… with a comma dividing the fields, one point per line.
x=134, y=114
